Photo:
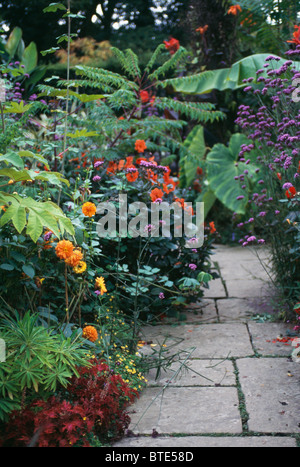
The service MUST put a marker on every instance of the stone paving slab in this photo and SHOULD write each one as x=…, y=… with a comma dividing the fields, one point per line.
x=263, y=335
x=238, y=267
x=217, y=338
x=204, y=311
x=242, y=269
x=243, y=273
x=239, y=254
x=216, y=289
x=209, y=442
x=243, y=288
x=195, y=373
x=207, y=341
x=271, y=387
x=234, y=309
x=187, y=410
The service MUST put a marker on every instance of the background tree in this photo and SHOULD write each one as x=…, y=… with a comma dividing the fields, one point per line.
x=104, y=19
x=215, y=45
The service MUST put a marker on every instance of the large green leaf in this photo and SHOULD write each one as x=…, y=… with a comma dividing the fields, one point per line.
x=31, y=155
x=53, y=7
x=225, y=78
x=54, y=178
x=222, y=168
x=15, y=175
x=208, y=198
x=82, y=134
x=30, y=58
x=195, y=143
x=35, y=216
x=17, y=107
x=14, y=159
x=19, y=218
x=13, y=41
x=63, y=93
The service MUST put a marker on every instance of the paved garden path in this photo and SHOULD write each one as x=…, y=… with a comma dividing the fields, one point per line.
x=236, y=384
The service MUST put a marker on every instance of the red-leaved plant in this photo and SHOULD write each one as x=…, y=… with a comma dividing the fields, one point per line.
x=93, y=404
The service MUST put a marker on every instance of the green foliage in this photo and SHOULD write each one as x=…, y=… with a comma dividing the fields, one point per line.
x=200, y=112
x=195, y=142
x=24, y=211
x=222, y=170
x=37, y=361
x=141, y=21
x=267, y=24
x=129, y=62
x=223, y=79
x=13, y=42
x=171, y=64
x=35, y=216
x=96, y=114
x=15, y=48
x=121, y=94
x=53, y=7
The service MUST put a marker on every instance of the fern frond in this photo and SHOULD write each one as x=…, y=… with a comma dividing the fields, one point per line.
x=89, y=83
x=128, y=61
x=202, y=112
x=122, y=99
x=133, y=64
x=154, y=57
x=156, y=122
x=169, y=64
x=105, y=78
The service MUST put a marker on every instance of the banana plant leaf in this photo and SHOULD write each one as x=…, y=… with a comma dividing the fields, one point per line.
x=222, y=168
x=225, y=78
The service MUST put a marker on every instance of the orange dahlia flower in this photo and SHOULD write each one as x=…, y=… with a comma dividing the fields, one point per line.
x=181, y=202
x=132, y=176
x=140, y=146
x=64, y=249
x=169, y=184
x=121, y=164
x=152, y=176
x=129, y=162
x=75, y=258
x=112, y=168
x=89, y=209
x=90, y=333
x=156, y=194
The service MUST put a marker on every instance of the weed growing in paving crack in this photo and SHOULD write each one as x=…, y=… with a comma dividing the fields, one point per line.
x=242, y=402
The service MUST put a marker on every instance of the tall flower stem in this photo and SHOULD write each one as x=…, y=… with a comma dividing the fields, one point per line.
x=66, y=294
x=67, y=97
x=2, y=117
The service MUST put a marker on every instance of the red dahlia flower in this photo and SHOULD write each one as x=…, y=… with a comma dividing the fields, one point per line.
x=172, y=45
x=291, y=192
